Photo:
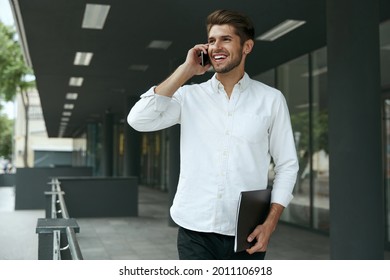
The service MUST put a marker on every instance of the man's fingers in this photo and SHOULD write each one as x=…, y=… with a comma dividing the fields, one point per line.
x=258, y=247
x=201, y=48
x=254, y=234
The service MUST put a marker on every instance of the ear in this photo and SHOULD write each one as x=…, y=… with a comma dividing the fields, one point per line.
x=248, y=46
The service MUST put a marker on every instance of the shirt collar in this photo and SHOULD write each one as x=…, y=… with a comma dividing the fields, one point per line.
x=243, y=83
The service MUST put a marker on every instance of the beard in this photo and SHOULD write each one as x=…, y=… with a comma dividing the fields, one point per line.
x=230, y=66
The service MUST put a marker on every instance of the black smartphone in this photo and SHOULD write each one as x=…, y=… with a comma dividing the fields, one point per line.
x=204, y=59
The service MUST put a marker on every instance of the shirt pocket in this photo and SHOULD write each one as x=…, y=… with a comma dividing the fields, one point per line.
x=252, y=128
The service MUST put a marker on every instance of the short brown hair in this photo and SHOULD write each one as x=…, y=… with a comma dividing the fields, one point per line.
x=241, y=23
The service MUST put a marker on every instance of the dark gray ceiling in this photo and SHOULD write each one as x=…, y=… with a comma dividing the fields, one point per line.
x=53, y=35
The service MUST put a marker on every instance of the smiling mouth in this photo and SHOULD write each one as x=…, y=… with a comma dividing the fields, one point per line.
x=219, y=57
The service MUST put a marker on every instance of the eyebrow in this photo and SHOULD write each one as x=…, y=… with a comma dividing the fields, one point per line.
x=223, y=37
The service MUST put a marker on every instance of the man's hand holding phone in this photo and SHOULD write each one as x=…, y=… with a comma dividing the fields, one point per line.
x=192, y=66
x=195, y=57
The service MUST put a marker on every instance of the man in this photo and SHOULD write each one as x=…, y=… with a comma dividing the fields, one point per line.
x=231, y=126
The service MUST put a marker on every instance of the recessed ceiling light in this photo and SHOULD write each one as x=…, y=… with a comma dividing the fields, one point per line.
x=95, y=16
x=71, y=96
x=64, y=119
x=66, y=113
x=68, y=106
x=76, y=81
x=83, y=58
x=159, y=44
x=138, y=67
x=280, y=30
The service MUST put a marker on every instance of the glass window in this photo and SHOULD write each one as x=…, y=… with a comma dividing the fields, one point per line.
x=151, y=160
x=309, y=118
x=94, y=148
x=79, y=157
x=319, y=134
x=292, y=80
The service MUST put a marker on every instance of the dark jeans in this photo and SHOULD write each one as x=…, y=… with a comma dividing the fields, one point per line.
x=194, y=245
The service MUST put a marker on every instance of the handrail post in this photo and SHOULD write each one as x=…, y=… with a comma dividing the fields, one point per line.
x=45, y=246
x=56, y=234
x=45, y=229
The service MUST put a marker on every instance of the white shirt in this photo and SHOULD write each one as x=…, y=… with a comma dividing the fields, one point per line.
x=225, y=147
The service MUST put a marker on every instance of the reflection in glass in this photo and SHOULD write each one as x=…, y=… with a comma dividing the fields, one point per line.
x=292, y=80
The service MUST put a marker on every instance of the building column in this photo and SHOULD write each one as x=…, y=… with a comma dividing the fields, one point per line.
x=356, y=181
x=108, y=142
x=131, y=157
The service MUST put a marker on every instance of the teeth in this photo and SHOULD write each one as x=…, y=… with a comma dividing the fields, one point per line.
x=219, y=56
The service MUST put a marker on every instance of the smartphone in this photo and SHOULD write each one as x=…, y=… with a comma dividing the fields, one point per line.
x=204, y=59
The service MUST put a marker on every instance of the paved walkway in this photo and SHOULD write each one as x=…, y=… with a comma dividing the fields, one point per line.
x=144, y=238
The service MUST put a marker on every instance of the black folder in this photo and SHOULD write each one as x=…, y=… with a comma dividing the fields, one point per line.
x=253, y=208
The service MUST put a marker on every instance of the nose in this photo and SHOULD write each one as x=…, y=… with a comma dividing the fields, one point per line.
x=216, y=46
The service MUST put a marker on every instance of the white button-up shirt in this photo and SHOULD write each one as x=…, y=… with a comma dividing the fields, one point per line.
x=225, y=147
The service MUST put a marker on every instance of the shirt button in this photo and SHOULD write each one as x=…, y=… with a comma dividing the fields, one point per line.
x=227, y=132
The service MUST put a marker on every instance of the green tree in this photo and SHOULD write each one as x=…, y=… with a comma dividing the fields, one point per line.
x=6, y=128
x=13, y=72
x=300, y=122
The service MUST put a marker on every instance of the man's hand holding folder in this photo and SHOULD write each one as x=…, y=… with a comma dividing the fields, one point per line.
x=256, y=221
x=262, y=233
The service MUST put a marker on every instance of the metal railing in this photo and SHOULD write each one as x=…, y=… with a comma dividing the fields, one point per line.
x=57, y=232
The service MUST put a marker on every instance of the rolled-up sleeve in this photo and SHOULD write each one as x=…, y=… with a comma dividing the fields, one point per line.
x=154, y=112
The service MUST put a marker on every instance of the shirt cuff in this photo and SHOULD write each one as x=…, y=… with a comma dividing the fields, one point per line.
x=281, y=197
